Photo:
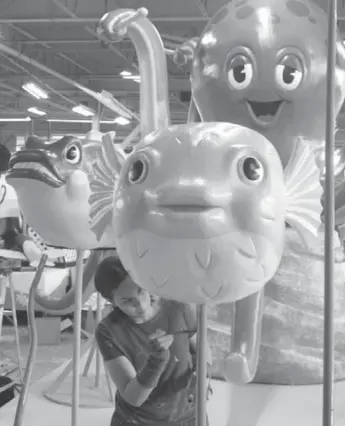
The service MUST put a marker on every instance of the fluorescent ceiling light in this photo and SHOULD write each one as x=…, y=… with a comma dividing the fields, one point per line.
x=82, y=110
x=19, y=120
x=58, y=120
x=122, y=121
x=127, y=75
x=35, y=91
x=135, y=78
x=36, y=111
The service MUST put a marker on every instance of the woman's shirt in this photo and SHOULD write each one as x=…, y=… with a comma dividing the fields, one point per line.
x=117, y=335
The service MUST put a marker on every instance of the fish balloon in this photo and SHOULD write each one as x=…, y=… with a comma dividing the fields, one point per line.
x=199, y=210
x=52, y=182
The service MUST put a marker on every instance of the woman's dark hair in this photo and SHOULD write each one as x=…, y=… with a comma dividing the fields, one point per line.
x=109, y=275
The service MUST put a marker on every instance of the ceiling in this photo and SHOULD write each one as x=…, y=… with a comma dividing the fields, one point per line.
x=61, y=35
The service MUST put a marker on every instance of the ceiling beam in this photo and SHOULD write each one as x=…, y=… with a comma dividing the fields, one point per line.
x=34, y=39
x=111, y=83
x=113, y=104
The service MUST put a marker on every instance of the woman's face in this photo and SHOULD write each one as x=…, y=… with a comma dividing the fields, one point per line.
x=133, y=301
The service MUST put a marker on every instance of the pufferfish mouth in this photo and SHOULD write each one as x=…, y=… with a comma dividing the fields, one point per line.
x=264, y=114
x=35, y=165
x=186, y=208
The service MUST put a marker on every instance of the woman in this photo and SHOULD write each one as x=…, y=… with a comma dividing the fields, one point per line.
x=147, y=345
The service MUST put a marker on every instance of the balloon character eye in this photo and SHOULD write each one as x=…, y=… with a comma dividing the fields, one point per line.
x=73, y=154
x=240, y=72
x=138, y=171
x=251, y=170
x=289, y=72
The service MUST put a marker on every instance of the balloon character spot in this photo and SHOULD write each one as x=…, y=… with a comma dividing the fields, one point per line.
x=276, y=19
x=220, y=15
x=298, y=8
x=244, y=12
x=241, y=3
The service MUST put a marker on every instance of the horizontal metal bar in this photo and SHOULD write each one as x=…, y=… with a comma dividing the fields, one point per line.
x=93, y=20
x=34, y=39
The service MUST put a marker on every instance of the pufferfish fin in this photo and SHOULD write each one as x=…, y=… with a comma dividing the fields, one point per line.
x=303, y=192
x=107, y=166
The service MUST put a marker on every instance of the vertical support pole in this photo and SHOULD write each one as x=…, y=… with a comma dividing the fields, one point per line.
x=32, y=127
x=129, y=140
x=201, y=414
x=77, y=338
x=193, y=115
x=98, y=355
x=15, y=325
x=95, y=125
x=49, y=130
x=328, y=349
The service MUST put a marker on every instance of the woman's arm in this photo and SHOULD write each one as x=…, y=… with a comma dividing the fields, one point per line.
x=134, y=387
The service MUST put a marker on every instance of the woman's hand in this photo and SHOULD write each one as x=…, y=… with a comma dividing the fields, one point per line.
x=160, y=342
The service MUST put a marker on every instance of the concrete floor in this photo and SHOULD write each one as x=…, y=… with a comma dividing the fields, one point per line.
x=48, y=357
x=251, y=405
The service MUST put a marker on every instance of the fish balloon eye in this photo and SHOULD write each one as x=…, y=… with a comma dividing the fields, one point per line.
x=137, y=171
x=240, y=72
x=73, y=154
x=289, y=72
x=251, y=170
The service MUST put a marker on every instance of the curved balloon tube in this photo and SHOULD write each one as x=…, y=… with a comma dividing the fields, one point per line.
x=65, y=304
x=240, y=365
x=33, y=343
x=154, y=101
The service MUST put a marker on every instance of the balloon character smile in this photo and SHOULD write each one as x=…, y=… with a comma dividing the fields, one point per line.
x=212, y=197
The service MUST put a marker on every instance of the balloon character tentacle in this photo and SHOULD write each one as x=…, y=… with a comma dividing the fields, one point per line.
x=154, y=101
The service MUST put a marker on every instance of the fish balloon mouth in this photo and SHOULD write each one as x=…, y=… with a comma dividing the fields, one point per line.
x=264, y=114
x=187, y=209
x=35, y=165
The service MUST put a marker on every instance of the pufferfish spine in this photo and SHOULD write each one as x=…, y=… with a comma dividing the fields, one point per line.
x=103, y=185
x=303, y=191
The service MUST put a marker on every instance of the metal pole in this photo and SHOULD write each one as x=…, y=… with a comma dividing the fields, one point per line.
x=328, y=349
x=32, y=127
x=95, y=124
x=49, y=130
x=202, y=344
x=77, y=336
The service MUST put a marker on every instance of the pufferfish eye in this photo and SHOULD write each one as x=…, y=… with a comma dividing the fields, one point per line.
x=289, y=72
x=73, y=154
x=240, y=72
x=251, y=170
x=138, y=171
